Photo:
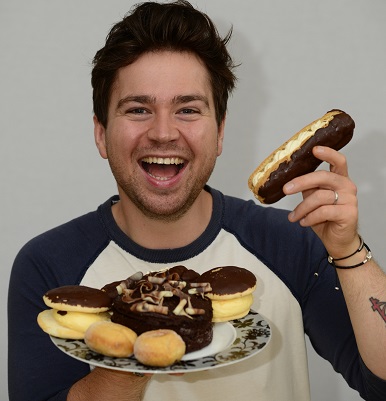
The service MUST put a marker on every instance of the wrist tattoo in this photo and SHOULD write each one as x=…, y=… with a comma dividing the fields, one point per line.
x=379, y=307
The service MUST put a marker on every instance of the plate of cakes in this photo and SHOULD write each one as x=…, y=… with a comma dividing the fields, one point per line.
x=170, y=321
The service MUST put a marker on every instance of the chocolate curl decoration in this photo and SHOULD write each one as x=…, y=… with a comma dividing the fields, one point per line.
x=199, y=288
x=147, y=293
x=156, y=280
x=145, y=307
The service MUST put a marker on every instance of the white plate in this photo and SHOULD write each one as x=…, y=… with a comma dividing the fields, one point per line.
x=232, y=342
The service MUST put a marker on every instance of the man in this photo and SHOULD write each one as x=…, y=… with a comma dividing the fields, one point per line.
x=161, y=85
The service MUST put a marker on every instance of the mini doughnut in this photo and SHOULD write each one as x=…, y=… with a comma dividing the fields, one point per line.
x=110, y=339
x=159, y=348
x=49, y=325
x=79, y=321
x=77, y=298
x=294, y=157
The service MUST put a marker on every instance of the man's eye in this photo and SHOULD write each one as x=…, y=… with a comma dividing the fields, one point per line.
x=188, y=111
x=137, y=110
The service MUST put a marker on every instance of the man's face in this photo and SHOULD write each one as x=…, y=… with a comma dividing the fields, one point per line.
x=161, y=138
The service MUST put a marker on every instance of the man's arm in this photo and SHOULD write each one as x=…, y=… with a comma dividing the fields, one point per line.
x=103, y=384
x=334, y=218
x=364, y=290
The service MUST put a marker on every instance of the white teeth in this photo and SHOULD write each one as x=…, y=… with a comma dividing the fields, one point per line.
x=161, y=160
x=159, y=178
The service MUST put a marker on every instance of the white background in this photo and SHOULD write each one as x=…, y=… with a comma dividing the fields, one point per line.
x=298, y=59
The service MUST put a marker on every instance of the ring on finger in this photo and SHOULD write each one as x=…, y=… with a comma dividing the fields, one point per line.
x=336, y=197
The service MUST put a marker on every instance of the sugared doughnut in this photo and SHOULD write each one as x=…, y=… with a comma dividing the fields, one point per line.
x=49, y=325
x=231, y=294
x=77, y=298
x=294, y=157
x=79, y=321
x=110, y=339
x=159, y=348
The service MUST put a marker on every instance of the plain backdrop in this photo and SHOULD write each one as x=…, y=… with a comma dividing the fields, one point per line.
x=298, y=59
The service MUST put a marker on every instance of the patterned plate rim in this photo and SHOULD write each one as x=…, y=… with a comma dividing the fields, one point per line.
x=253, y=333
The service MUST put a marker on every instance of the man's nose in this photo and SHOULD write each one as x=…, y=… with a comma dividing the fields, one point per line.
x=163, y=129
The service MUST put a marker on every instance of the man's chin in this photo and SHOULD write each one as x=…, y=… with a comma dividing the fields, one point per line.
x=164, y=213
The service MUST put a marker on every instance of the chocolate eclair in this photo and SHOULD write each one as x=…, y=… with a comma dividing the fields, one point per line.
x=294, y=157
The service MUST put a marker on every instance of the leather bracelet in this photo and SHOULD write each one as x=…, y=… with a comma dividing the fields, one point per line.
x=367, y=258
x=332, y=260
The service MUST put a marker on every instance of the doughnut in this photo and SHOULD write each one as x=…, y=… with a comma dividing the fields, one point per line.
x=159, y=348
x=110, y=339
x=49, y=325
x=79, y=321
x=231, y=293
x=77, y=298
x=294, y=157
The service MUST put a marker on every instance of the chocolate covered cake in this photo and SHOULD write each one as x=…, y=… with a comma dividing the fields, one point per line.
x=170, y=299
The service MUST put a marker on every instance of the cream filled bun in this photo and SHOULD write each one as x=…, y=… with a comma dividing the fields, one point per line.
x=110, y=339
x=159, y=348
x=77, y=298
x=231, y=293
x=79, y=321
x=230, y=309
x=49, y=325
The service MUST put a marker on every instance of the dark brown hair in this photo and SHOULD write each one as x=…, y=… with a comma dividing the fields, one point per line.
x=152, y=26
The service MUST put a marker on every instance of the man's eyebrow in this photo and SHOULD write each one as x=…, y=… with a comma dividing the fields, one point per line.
x=145, y=99
x=190, y=98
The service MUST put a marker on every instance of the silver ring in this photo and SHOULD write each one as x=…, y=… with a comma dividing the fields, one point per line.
x=336, y=197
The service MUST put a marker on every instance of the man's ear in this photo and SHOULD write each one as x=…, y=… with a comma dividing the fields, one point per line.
x=100, y=137
x=220, y=136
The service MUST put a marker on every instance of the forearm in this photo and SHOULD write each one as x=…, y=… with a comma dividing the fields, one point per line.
x=364, y=289
x=103, y=384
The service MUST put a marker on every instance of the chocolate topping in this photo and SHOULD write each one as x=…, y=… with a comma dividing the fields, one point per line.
x=150, y=292
x=227, y=280
x=335, y=135
x=173, y=299
x=79, y=295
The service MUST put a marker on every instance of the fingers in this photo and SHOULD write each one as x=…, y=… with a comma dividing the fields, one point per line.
x=325, y=205
x=337, y=161
x=328, y=196
x=320, y=180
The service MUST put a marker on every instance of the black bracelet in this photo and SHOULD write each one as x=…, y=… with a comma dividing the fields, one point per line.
x=332, y=260
x=367, y=258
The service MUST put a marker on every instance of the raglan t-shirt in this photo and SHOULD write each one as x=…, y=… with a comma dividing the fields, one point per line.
x=93, y=251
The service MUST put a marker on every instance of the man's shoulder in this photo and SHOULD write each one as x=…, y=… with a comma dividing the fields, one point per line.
x=75, y=227
x=247, y=211
x=81, y=235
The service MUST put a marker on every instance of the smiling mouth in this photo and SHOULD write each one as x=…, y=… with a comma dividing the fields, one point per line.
x=162, y=168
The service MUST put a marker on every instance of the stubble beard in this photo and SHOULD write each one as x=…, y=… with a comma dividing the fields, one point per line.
x=164, y=206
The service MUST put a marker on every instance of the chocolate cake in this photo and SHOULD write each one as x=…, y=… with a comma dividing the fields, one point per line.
x=170, y=299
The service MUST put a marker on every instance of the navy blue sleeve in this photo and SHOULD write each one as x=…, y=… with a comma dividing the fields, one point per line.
x=295, y=254
x=37, y=370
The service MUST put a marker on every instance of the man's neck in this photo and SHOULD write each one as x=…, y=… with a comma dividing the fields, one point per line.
x=159, y=234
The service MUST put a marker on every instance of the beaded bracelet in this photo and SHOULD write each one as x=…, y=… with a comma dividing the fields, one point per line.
x=367, y=258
